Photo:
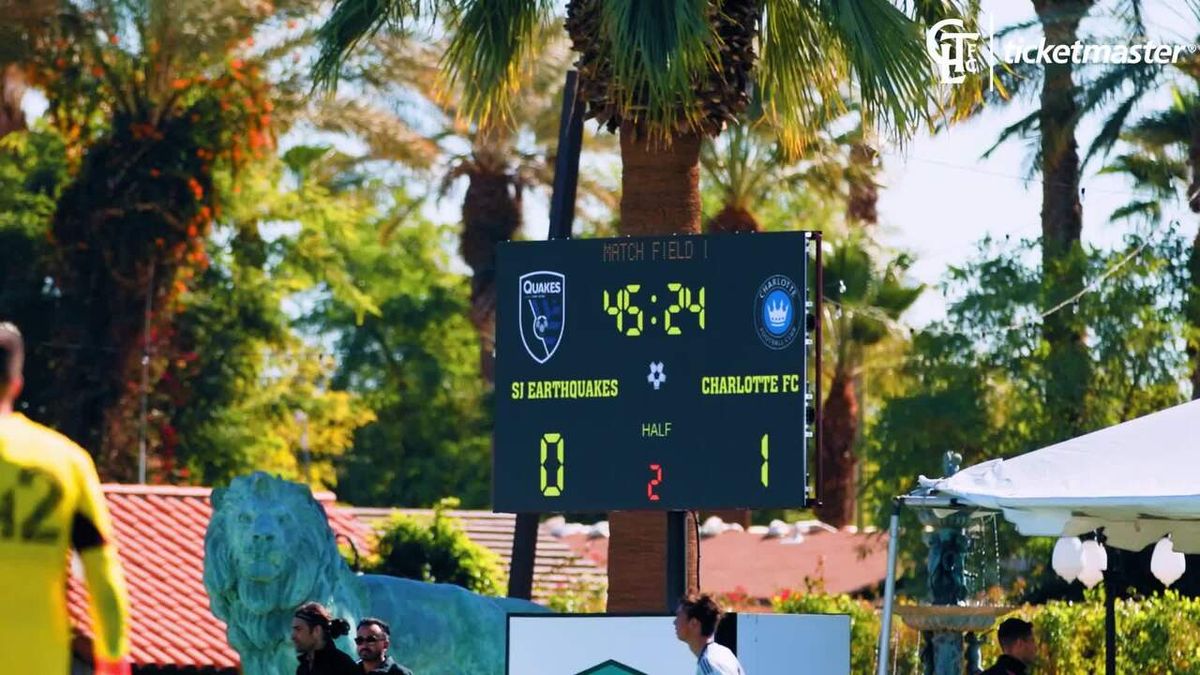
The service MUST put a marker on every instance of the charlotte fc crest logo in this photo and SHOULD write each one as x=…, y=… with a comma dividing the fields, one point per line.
x=543, y=310
x=775, y=307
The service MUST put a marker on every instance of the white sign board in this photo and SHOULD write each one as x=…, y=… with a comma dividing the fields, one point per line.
x=766, y=644
x=794, y=644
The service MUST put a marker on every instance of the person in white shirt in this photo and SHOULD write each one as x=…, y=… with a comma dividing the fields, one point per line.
x=696, y=622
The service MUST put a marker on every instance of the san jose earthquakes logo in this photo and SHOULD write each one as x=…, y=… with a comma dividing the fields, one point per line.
x=775, y=307
x=543, y=310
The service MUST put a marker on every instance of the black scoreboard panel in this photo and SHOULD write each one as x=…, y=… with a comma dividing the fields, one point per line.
x=652, y=373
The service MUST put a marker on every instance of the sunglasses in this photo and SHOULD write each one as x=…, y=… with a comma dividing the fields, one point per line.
x=370, y=639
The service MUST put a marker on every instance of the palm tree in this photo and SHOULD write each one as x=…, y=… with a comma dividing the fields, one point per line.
x=863, y=301
x=496, y=168
x=748, y=169
x=1062, y=217
x=1167, y=153
x=153, y=100
x=23, y=21
x=666, y=74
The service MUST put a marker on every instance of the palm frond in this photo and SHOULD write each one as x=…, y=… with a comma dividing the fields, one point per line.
x=1110, y=131
x=1022, y=128
x=1150, y=210
x=808, y=49
x=1154, y=174
x=800, y=75
x=351, y=21
x=492, y=41
x=656, y=50
x=1161, y=129
x=388, y=136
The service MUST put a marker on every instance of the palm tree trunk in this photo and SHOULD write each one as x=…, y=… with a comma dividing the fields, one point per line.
x=862, y=206
x=1068, y=367
x=733, y=219
x=12, y=91
x=839, y=429
x=660, y=195
x=1192, y=293
x=491, y=214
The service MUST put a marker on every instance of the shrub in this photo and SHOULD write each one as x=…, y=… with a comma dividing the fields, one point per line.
x=1156, y=635
x=436, y=550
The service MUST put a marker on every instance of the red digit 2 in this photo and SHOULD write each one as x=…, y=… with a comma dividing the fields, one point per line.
x=654, y=482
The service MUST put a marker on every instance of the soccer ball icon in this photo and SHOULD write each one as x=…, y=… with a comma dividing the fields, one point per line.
x=540, y=323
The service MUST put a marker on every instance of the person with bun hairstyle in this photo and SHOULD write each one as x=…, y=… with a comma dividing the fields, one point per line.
x=313, y=631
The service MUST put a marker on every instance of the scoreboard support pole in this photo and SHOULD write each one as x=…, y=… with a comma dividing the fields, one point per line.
x=562, y=217
x=676, y=558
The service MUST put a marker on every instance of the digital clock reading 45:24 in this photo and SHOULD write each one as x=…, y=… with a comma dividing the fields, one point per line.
x=631, y=316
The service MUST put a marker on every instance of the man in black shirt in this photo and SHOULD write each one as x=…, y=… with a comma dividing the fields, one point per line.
x=314, y=629
x=1018, y=645
x=372, y=641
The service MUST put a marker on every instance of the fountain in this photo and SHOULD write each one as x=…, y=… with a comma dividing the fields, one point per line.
x=950, y=616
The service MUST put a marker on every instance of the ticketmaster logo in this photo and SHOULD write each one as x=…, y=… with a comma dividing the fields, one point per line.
x=957, y=52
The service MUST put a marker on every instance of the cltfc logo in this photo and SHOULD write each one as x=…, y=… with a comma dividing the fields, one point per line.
x=543, y=309
x=775, y=312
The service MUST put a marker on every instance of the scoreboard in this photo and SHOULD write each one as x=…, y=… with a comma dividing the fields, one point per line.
x=666, y=373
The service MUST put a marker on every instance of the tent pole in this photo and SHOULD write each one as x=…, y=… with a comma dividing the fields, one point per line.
x=889, y=589
x=1110, y=614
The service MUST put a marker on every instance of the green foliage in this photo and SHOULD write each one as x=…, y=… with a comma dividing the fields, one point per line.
x=655, y=58
x=1157, y=635
x=977, y=380
x=437, y=551
x=864, y=628
x=33, y=171
x=581, y=598
x=395, y=317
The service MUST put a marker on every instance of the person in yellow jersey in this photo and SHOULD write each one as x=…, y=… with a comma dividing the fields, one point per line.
x=50, y=500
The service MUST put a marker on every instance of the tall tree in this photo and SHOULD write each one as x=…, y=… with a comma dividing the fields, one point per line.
x=865, y=297
x=1069, y=367
x=23, y=22
x=154, y=100
x=664, y=75
x=1166, y=155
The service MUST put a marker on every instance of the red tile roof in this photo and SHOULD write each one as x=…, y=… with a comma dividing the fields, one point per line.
x=845, y=562
x=160, y=536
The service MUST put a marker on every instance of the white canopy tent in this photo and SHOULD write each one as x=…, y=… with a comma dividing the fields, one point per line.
x=1139, y=480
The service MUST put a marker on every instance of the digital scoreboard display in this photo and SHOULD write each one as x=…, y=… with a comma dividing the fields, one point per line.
x=663, y=373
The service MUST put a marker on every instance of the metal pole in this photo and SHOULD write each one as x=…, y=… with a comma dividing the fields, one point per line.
x=143, y=432
x=562, y=216
x=676, y=558
x=1110, y=614
x=817, y=403
x=889, y=590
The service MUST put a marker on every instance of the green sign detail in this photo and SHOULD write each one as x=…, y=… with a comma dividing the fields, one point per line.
x=611, y=667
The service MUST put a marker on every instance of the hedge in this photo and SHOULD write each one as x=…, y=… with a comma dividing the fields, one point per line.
x=1157, y=635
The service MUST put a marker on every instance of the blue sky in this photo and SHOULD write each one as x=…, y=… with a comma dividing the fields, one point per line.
x=941, y=198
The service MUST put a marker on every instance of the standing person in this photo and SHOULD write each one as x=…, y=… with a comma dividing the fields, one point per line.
x=373, y=639
x=313, y=631
x=696, y=622
x=50, y=500
x=1019, y=647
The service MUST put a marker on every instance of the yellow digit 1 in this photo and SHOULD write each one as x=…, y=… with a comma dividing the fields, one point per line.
x=764, y=445
x=552, y=443
x=633, y=310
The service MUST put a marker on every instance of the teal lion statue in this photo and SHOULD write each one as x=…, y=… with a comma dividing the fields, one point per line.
x=269, y=548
